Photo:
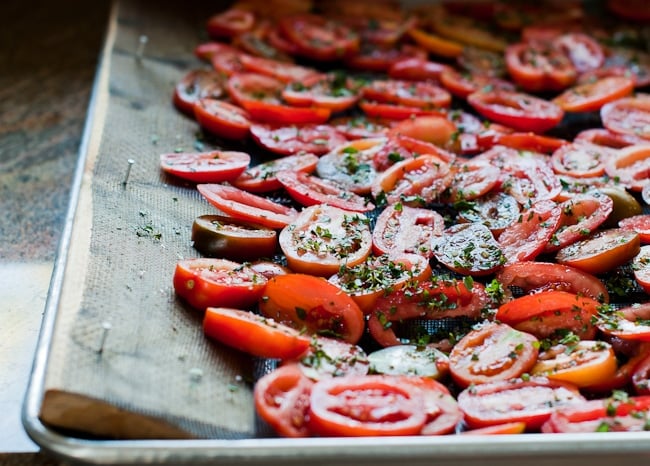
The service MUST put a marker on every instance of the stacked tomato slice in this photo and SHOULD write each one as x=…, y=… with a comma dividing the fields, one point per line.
x=442, y=243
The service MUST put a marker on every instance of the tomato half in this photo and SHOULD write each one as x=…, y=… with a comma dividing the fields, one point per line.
x=207, y=282
x=310, y=190
x=322, y=238
x=629, y=115
x=262, y=178
x=462, y=85
x=400, y=147
x=469, y=249
x=581, y=159
x=283, y=71
x=591, y=96
x=531, y=401
x=544, y=314
x=630, y=166
x=267, y=112
x=535, y=67
x=282, y=399
x=533, y=277
x=230, y=23
x=417, y=69
x=374, y=109
x=222, y=118
x=195, y=85
x=205, y=167
x=324, y=310
x=253, y=334
x=601, y=252
x=490, y=353
x=334, y=91
x=318, y=38
x=420, y=94
x=246, y=206
x=517, y=110
x=373, y=405
x=289, y=139
x=583, y=51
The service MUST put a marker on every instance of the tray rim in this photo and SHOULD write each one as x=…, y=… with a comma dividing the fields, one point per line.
x=263, y=451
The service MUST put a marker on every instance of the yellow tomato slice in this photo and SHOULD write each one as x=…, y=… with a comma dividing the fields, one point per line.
x=436, y=44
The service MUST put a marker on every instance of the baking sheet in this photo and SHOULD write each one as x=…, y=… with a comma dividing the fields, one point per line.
x=120, y=357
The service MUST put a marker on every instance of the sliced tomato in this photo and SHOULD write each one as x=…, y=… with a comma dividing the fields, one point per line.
x=283, y=71
x=256, y=42
x=268, y=268
x=629, y=62
x=416, y=180
x=360, y=127
x=607, y=138
x=590, y=97
x=583, y=363
x=469, y=249
x=462, y=85
x=528, y=236
x=318, y=38
x=309, y=190
x=284, y=114
x=535, y=67
x=417, y=69
x=253, y=334
x=225, y=59
x=207, y=50
x=630, y=166
x=262, y=178
x=545, y=314
x=629, y=323
x=411, y=360
x=374, y=405
x=529, y=142
x=482, y=62
x=244, y=88
x=531, y=401
x=629, y=115
x=517, y=110
x=534, y=277
x=601, y=252
x=380, y=59
x=393, y=111
x=435, y=44
x=205, y=167
x=507, y=428
x=581, y=215
x=229, y=238
x=322, y=238
x=195, y=85
x=581, y=159
x=641, y=377
x=497, y=211
x=286, y=139
x=420, y=94
x=326, y=310
x=334, y=91
x=246, y=206
x=473, y=179
x=207, y=283
x=403, y=229
x=222, y=118
x=230, y=23
x=491, y=353
x=436, y=130
x=282, y=399
x=584, y=51
x=641, y=267
x=329, y=357
x=400, y=147
x=639, y=223
x=443, y=413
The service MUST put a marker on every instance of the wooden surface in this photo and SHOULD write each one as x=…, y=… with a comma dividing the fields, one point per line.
x=48, y=56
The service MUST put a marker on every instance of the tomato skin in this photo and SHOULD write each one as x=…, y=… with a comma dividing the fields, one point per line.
x=531, y=401
x=349, y=406
x=285, y=72
x=282, y=399
x=533, y=277
x=535, y=68
x=380, y=59
x=543, y=314
x=435, y=44
x=601, y=252
x=223, y=119
x=205, y=167
x=205, y=282
x=245, y=206
x=195, y=85
x=262, y=178
x=325, y=310
x=253, y=334
x=322, y=238
x=517, y=110
x=591, y=96
x=492, y=353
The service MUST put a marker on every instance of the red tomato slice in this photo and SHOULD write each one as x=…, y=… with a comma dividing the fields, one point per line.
x=206, y=167
x=543, y=314
x=496, y=211
x=601, y=252
x=254, y=334
x=607, y=138
x=472, y=180
x=404, y=229
x=630, y=166
x=245, y=88
x=526, y=238
x=207, y=50
x=443, y=414
x=437, y=130
x=529, y=142
x=324, y=310
x=207, y=283
x=262, y=178
x=585, y=53
x=322, y=238
x=469, y=249
x=630, y=115
x=417, y=69
x=380, y=59
x=284, y=114
x=531, y=401
x=462, y=85
x=400, y=147
x=360, y=127
x=195, y=85
x=289, y=139
x=491, y=353
x=517, y=110
x=536, y=68
x=420, y=94
x=417, y=180
x=393, y=111
x=282, y=400
x=283, y=71
x=230, y=23
x=318, y=38
x=225, y=60
x=309, y=190
x=533, y=277
x=640, y=224
x=333, y=91
x=629, y=323
x=591, y=96
x=581, y=159
x=240, y=204
x=374, y=405
x=581, y=215
x=223, y=119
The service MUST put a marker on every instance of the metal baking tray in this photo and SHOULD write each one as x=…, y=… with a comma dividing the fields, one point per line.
x=528, y=449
